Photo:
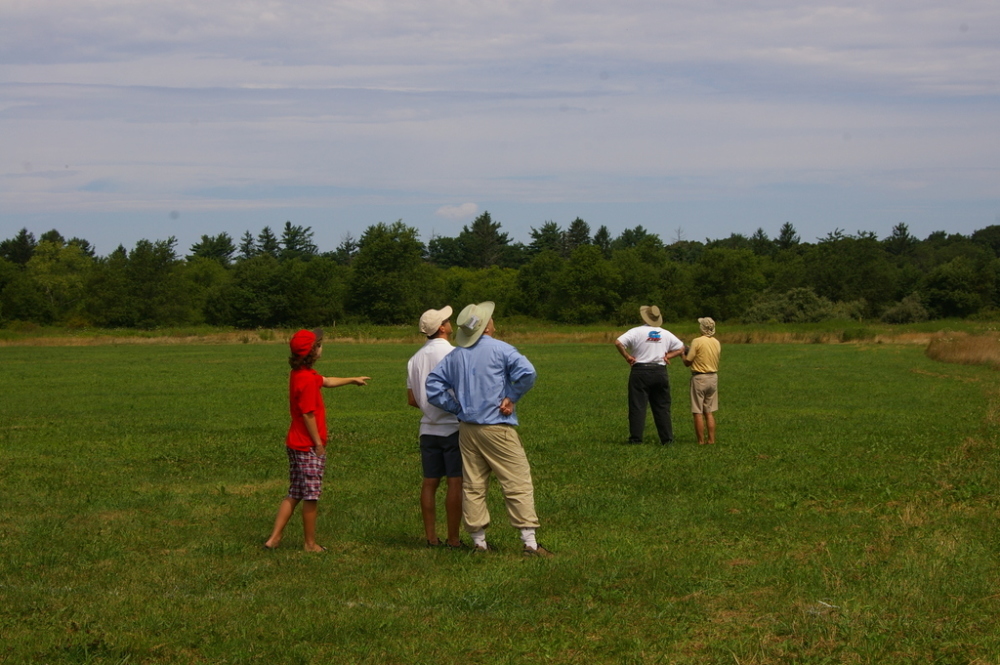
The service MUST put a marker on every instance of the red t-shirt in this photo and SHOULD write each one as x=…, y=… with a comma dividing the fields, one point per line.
x=304, y=397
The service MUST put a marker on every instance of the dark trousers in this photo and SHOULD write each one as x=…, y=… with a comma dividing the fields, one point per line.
x=649, y=384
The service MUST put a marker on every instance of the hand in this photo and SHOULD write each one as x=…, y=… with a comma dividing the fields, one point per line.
x=319, y=449
x=506, y=406
x=630, y=360
x=361, y=380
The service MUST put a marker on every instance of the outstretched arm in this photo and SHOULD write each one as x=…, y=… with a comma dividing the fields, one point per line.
x=336, y=381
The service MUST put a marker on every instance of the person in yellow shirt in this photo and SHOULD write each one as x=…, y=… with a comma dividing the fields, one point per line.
x=703, y=359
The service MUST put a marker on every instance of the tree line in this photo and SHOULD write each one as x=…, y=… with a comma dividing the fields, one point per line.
x=568, y=275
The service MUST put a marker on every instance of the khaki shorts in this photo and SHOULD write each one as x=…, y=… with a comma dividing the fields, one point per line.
x=704, y=393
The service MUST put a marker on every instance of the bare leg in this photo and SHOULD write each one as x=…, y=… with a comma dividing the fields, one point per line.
x=699, y=428
x=310, y=508
x=453, y=508
x=710, y=417
x=285, y=511
x=428, y=509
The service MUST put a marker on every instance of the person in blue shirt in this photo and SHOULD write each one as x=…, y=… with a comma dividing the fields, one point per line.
x=480, y=382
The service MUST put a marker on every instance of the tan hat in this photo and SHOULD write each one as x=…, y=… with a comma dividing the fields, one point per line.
x=651, y=315
x=432, y=320
x=707, y=326
x=472, y=322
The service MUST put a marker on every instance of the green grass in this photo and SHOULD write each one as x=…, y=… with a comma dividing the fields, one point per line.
x=847, y=515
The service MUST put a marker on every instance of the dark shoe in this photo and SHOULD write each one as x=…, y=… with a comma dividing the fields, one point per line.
x=632, y=442
x=460, y=546
x=433, y=545
x=537, y=552
x=666, y=443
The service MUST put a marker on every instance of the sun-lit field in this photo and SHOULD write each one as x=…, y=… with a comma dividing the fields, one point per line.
x=848, y=514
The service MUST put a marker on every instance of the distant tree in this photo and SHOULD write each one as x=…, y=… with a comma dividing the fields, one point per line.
x=760, y=244
x=685, y=251
x=483, y=243
x=446, y=252
x=734, y=241
x=602, y=240
x=957, y=288
x=143, y=288
x=787, y=237
x=631, y=238
x=59, y=271
x=159, y=295
x=248, y=246
x=536, y=281
x=52, y=236
x=218, y=248
x=346, y=250
x=297, y=242
x=107, y=298
x=267, y=243
x=385, y=284
x=587, y=287
x=988, y=237
x=727, y=280
x=577, y=235
x=548, y=237
x=900, y=242
x=316, y=291
x=84, y=246
x=256, y=296
x=19, y=248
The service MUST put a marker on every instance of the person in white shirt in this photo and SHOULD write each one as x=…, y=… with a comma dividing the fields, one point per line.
x=648, y=350
x=439, y=451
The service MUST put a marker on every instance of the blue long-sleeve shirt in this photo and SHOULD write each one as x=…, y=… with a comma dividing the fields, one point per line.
x=472, y=382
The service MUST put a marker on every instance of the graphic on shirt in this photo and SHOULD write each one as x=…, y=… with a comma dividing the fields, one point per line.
x=654, y=337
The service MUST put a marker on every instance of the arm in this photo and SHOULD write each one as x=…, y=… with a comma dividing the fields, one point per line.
x=439, y=389
x=673, y=354
x=336, y=381
x=410, y=399
x=629, y=358
x=319, y=446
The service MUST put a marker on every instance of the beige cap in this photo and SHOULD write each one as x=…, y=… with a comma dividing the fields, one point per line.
x=433, y=319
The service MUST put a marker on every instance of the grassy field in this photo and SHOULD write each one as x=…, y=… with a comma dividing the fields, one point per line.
x=847, y=515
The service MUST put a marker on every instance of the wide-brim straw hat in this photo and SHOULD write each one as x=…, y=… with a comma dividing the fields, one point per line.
x=707, y=325
x=472, y=322
x=651, y=315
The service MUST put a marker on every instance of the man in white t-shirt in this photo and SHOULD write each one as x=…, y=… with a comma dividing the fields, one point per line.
x=648, y=350
x=439, y=451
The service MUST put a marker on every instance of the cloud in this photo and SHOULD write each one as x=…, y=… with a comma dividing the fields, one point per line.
x=464, y=211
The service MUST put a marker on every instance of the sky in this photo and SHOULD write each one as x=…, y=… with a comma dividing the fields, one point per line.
x=123, y=120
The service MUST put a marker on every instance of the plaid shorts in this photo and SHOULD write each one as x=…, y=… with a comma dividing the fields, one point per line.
x=305, y=474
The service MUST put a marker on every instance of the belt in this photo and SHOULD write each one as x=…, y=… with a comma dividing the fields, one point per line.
x=700, y=373
x=647, y=365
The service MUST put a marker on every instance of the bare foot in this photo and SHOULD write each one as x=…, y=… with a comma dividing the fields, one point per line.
x=314, y=548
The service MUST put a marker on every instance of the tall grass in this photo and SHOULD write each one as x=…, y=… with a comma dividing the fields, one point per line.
x=847, y=515
x=966, y=350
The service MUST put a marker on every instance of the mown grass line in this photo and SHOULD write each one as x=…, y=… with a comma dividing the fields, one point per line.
x=848, y=514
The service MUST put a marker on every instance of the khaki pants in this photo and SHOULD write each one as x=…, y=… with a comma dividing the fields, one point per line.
x=495, y=448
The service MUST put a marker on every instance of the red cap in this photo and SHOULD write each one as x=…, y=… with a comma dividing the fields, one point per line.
x=303, y=341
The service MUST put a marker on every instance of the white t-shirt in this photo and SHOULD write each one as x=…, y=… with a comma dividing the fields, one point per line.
x=648, y=344
x=435, y=421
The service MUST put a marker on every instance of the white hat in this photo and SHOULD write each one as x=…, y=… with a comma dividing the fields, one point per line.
x=432, y=320
x=472, y=322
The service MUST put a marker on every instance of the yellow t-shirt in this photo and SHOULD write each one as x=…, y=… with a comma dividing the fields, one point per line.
x=704, y=354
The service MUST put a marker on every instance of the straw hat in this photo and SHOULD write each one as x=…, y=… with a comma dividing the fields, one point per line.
x=472, y=322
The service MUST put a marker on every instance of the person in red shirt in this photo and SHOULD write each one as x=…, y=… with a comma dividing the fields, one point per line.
x=305, y=442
